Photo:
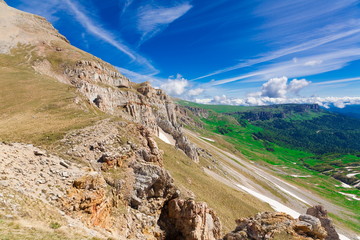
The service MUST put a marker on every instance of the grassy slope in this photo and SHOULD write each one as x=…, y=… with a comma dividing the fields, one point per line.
x=35, y=108
x=289, y=161
x=218, y=196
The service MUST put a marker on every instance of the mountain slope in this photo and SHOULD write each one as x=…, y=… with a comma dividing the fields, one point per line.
x=80, y=109
x=240, y=136
x=100, y=167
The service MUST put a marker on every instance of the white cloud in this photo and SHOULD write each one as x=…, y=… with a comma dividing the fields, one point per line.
x=334, y=60
x=296, y=85
x=279, y=87
x=339, y=102
x=345, y=80
x=93, y=28
x=196, y=91
x=311, y=44
x=312, y=63
x=275, y=87
x=175, y=86
x=96, y=29
x=154, y=19
x=139, y=78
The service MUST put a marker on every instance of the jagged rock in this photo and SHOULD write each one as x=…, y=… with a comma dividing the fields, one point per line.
x=269, y=225
x=320, y=213
x=310, y=226
x=152, y=181
x=189, y=220
x=182, y=141
x=87, y=198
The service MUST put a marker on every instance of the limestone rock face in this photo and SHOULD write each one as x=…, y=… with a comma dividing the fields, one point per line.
x=113, y=93
x=189, y=220
x=320, y=213
x=91, y=71
x=127, y=171
x=269, y=225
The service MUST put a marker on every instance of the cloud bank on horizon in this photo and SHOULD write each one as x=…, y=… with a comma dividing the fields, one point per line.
x=222, y=52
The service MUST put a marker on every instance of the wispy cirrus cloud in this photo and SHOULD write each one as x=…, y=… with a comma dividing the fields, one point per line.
x=296, y=67
x=154, y=19
x=53, y=8
x=139, y=78
x=93, y=27
x=345, y=80
x=302, y=47
x=300, y=29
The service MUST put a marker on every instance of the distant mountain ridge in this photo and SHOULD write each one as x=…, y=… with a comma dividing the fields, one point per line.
x=276, y=111
x=349, y=110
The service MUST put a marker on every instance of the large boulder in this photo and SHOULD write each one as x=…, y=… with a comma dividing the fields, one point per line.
x=310, y=226
x=189, y=220
x=320, y=213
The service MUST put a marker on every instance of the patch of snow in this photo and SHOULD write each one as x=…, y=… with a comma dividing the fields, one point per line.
x=277, y=206
x=342, y=237
x=352, y=174
x=350, y=167
x=291, y=194
x=299, y=176
x=208, y=139
x=353, y=196
x=344, y=185
x=165, y=137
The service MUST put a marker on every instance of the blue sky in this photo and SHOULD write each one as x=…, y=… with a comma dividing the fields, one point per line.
x=245, y=52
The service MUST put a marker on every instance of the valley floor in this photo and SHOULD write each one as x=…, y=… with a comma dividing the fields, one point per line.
x=251, y=178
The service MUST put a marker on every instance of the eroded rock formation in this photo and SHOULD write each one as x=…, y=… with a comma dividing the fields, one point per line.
x=190, y=220
x=269, y=225
x=127, y=171
x=320, y=213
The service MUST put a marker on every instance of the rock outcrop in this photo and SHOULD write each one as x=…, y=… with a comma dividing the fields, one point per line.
x=127, y=171
x=269, y=225
x=309, y=226
x=113, y=93
x=88, y=199
x=320, y=213
x=187, y=219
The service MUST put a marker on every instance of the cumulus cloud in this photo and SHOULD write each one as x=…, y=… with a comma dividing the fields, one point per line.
x=275, y=87
x=196, y=91
x=276, y=91
x=296, y=85
x=280, y=87
x=175, y=86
